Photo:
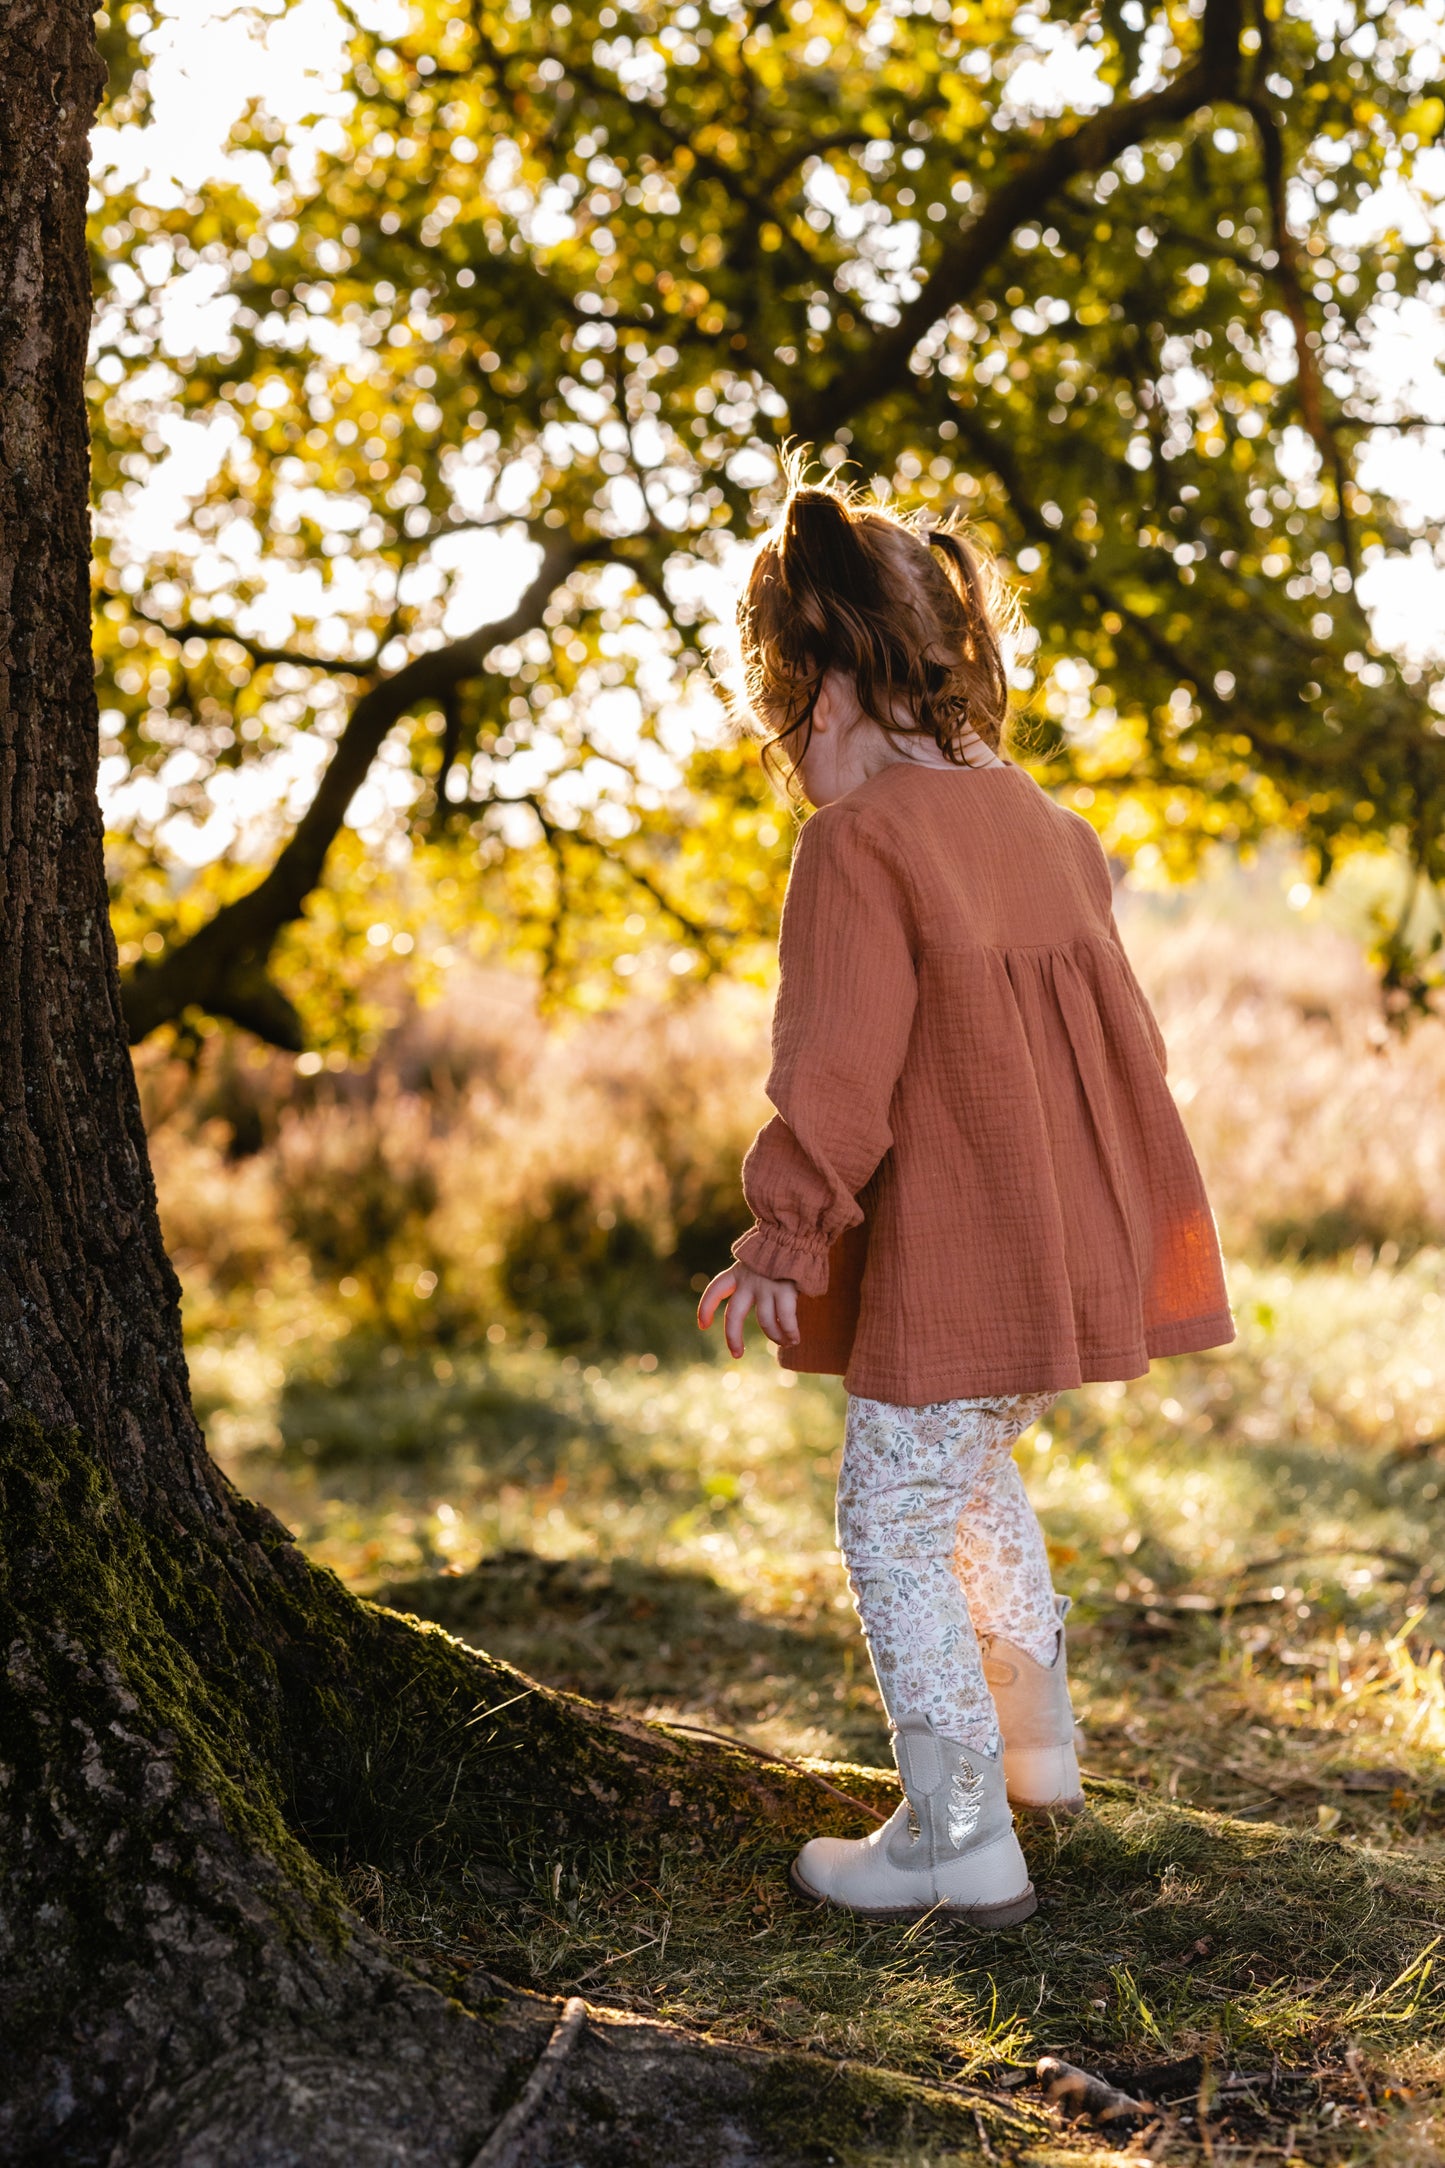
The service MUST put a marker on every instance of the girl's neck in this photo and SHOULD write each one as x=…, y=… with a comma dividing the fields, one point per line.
x=920, y=752
x=847, y=746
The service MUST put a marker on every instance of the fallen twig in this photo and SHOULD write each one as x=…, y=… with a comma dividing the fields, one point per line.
x=1198, y=1602
x=502, y=2149
x=616, y=1959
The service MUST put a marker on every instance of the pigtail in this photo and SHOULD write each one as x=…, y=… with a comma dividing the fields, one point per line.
x=829, y=573
x=825, y=570
x=916, y=619
x=964, y=574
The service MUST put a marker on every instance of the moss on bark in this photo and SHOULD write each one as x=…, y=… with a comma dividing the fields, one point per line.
x=194, y=1719
x=196, y=1729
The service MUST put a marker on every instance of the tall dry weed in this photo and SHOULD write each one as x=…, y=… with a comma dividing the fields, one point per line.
x=491, y=1170
x=487, y=1169
x=1318, y=1127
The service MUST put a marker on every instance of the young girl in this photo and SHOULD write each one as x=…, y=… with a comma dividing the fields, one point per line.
x=976, y=1191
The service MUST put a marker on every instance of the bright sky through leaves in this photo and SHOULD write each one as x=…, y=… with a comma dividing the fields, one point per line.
x=443, y=365
x=206, y=67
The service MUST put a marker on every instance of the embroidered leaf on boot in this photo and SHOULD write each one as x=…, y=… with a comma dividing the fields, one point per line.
x=965, y=1804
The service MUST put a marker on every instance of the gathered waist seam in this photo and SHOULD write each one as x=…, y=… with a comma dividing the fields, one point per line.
x=1013, y=948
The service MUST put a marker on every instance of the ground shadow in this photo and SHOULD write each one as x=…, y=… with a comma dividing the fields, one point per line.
x=654, y=1639
x=373, y=1413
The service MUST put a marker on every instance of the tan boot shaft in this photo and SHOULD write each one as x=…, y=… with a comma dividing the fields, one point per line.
x=1036, y=1718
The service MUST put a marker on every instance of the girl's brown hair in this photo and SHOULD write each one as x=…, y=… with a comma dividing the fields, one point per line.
x=915, y=617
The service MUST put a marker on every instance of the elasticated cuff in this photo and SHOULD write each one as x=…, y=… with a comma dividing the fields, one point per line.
x=768, y=1250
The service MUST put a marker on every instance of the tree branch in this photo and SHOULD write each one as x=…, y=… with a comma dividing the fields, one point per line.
x=191, y=628
x=1406, y=423
x=451, y=701
x=260, y=654
x=1085, y=148
x=702, y=931
x=708, y=937
x=556, y=850
x=1311, y=391
x=988, y=448
x=841, y=139
x=222, y=968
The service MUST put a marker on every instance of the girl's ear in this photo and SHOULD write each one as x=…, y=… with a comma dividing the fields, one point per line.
x=825, y=706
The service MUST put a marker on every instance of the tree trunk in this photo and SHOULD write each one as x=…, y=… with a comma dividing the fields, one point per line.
x=197, y=1722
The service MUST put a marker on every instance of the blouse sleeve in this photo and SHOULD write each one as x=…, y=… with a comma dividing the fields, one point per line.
x=846, y=996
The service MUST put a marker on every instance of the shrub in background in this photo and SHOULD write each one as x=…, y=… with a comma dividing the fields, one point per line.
x=489, y=1174
x=1319, y=1129
x=589, y=1276
x=486, y=1174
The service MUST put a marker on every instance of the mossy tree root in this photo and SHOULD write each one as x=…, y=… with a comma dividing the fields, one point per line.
x=403, y=2083
x=197, y=1731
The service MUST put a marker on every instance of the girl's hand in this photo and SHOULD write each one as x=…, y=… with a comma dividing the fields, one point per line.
x=775, y=1301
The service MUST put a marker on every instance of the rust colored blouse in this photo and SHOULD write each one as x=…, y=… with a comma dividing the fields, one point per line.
x=976, y=1175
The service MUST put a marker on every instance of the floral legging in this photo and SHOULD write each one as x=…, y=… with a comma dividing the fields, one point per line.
x=942, y=1547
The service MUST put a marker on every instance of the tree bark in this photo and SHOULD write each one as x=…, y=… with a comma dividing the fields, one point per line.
x=197, y=1723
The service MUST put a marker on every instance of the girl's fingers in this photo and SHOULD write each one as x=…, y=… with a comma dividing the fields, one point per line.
x=739, y=1304
x=717, y=1290
x=775, y=1303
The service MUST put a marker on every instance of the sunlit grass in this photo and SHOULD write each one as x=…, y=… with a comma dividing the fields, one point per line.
x=1246, y=1927
x=1254, y=1532
x=1252, y=1539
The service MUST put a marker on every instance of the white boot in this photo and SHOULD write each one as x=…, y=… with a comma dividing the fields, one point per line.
x=949, y=1846
x=1036, y=1717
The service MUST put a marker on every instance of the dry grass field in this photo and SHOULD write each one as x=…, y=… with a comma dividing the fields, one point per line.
x=439, y=1319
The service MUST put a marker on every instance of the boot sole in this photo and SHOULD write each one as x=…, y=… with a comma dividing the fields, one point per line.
x=1008, y=1914
x=1036, y=1810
